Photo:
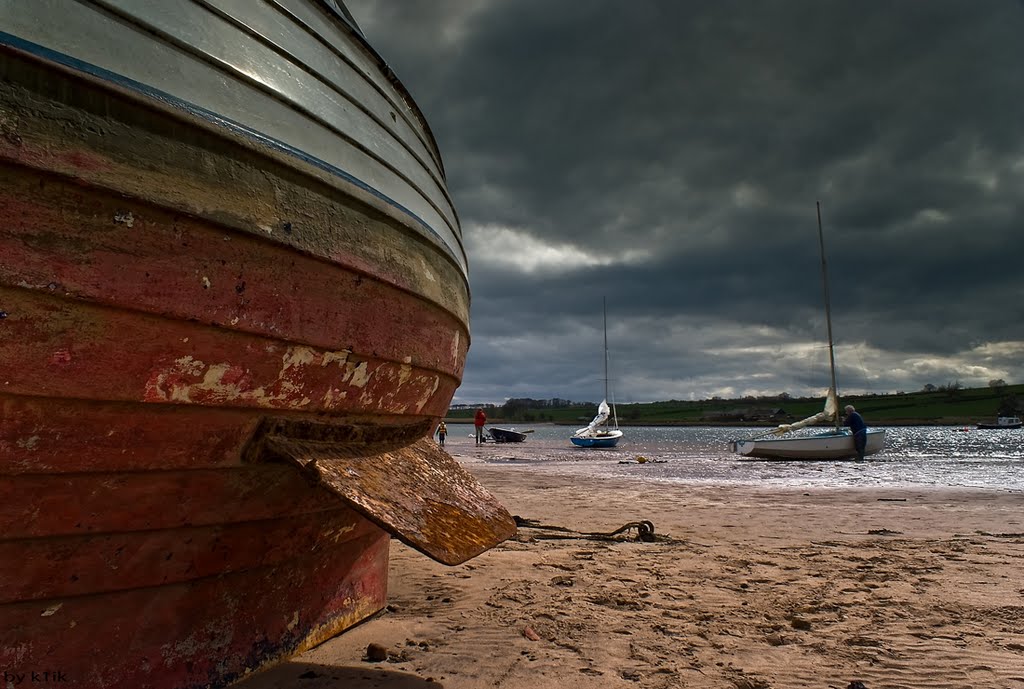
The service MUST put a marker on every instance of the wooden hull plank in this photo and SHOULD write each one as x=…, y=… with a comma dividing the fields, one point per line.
x=41, y=435
x=66, y=348
x=59, y=567
x=37, y=505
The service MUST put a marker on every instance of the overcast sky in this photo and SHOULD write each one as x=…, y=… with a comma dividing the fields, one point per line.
x=668, y=155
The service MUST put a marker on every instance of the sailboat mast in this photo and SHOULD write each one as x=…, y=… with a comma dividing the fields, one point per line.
x=828, y=312
x=604, y=309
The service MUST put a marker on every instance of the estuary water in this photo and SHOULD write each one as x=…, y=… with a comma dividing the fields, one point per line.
x=915, y=456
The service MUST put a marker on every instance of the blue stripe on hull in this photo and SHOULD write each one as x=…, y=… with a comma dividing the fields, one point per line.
x=595, y=442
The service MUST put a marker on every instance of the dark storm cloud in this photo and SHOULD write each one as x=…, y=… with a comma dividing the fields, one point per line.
x=669, y=155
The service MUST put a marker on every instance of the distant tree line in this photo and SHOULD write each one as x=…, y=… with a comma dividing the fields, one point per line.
x=525, y=403
x=525, y=410
x=1008, y=405
x=528, y=410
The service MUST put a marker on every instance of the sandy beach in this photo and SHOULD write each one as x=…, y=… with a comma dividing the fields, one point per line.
x=742, y=588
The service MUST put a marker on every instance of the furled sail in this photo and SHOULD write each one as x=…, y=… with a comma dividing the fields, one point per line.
x=827, y=414
x=603, y=411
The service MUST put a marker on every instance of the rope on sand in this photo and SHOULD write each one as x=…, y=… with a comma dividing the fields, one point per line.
x=644, y=531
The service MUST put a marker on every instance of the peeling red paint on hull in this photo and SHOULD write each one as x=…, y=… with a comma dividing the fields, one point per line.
x=182, y=577
x=166, y=291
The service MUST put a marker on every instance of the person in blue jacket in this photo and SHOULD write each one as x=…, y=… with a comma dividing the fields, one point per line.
x=859, y=429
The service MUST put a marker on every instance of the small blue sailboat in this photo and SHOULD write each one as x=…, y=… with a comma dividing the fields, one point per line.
x=598, y=434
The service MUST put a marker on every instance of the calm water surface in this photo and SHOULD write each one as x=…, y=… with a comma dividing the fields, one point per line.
x=919, y=456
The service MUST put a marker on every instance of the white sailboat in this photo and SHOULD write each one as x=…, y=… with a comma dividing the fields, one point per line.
x=836, y=443
x=598, y=434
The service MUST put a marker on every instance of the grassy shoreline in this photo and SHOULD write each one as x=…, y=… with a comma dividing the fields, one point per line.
x=953, y=406
x=952, y=423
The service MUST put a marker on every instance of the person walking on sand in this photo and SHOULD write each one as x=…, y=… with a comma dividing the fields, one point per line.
x=859, y=429
x=442, y=431
x=479, y=420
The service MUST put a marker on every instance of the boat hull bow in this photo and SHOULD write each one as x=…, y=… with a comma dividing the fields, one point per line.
x=231, y=275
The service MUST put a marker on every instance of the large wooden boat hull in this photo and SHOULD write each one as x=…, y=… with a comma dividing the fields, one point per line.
x=821, y=446
x=233, y=306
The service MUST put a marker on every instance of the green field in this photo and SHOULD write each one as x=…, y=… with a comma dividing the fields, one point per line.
x=950, y=406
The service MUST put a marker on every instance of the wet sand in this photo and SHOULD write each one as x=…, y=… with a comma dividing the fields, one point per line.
x=742, y=588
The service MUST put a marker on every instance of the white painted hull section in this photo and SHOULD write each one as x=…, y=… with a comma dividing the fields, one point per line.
x=823, y=446
x=285, y=76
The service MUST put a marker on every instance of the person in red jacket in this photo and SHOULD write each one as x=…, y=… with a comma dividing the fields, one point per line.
x=479, y=420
